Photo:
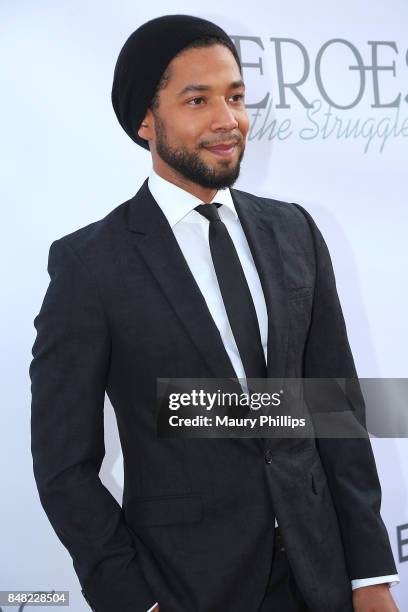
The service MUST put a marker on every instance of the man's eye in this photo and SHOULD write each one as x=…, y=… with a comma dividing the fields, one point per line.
x=239, y=96
x=195, y=99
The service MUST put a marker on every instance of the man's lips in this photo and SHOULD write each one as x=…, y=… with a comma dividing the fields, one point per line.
x=223, y=150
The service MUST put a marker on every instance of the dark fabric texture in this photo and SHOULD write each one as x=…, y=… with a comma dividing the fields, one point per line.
x=143, y=59
x=282, y=594
x=196, y=527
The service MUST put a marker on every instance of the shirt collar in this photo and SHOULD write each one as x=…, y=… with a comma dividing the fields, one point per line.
x=176, y=203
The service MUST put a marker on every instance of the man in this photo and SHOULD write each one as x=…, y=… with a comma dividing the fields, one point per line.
x=150, y=291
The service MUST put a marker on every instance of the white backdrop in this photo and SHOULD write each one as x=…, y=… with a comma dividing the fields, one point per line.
x=66, y=162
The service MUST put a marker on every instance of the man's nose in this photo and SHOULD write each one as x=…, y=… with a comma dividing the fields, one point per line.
x=224, y=117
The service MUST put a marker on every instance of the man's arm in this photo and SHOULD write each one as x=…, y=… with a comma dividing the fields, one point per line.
x=68, y=372
x=349, y=463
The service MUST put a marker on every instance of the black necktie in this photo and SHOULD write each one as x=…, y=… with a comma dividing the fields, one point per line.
x=235, y=294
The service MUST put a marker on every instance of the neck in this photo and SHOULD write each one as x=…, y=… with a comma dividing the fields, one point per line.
x=202, y=193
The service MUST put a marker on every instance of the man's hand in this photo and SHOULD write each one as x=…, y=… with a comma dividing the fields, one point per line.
x=157, y=609
x=374, y=598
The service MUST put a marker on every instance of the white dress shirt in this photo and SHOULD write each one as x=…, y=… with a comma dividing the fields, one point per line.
x=190, y=229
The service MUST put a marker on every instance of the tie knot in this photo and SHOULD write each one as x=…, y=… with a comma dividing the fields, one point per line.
x=209, y=211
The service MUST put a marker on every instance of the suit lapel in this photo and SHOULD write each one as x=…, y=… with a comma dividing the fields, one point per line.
x=262, y=239
x=155, y=241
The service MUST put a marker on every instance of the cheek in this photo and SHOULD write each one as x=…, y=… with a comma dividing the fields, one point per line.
x=243, y=122
x=180, y=136
x=188, y=131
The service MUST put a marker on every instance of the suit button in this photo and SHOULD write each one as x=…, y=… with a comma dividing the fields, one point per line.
x=268, y=456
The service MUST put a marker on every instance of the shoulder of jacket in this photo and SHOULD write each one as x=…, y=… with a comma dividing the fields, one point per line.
x=291, y=210
x=97, y=233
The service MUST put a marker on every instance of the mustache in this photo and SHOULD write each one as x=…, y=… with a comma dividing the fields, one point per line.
x=233, y=140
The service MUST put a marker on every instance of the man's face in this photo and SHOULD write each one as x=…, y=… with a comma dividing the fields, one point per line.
x=201, y=107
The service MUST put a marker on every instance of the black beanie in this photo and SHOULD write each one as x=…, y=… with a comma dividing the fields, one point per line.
x=144, y=58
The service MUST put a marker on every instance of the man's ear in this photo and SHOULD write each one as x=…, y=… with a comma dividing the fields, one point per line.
x=145, y=129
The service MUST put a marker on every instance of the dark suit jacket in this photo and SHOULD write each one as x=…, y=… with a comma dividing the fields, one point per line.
x=196, y=529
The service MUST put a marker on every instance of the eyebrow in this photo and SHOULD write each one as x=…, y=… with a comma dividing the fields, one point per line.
x=196, y=87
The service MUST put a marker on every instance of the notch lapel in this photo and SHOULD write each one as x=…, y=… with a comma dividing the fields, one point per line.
x=263, y=242
x=156, y=243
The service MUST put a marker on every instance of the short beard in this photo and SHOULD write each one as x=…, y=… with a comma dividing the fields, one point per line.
x=190, y=166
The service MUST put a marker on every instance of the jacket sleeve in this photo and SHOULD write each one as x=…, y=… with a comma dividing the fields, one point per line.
x=348, y=462
x=68, y=373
